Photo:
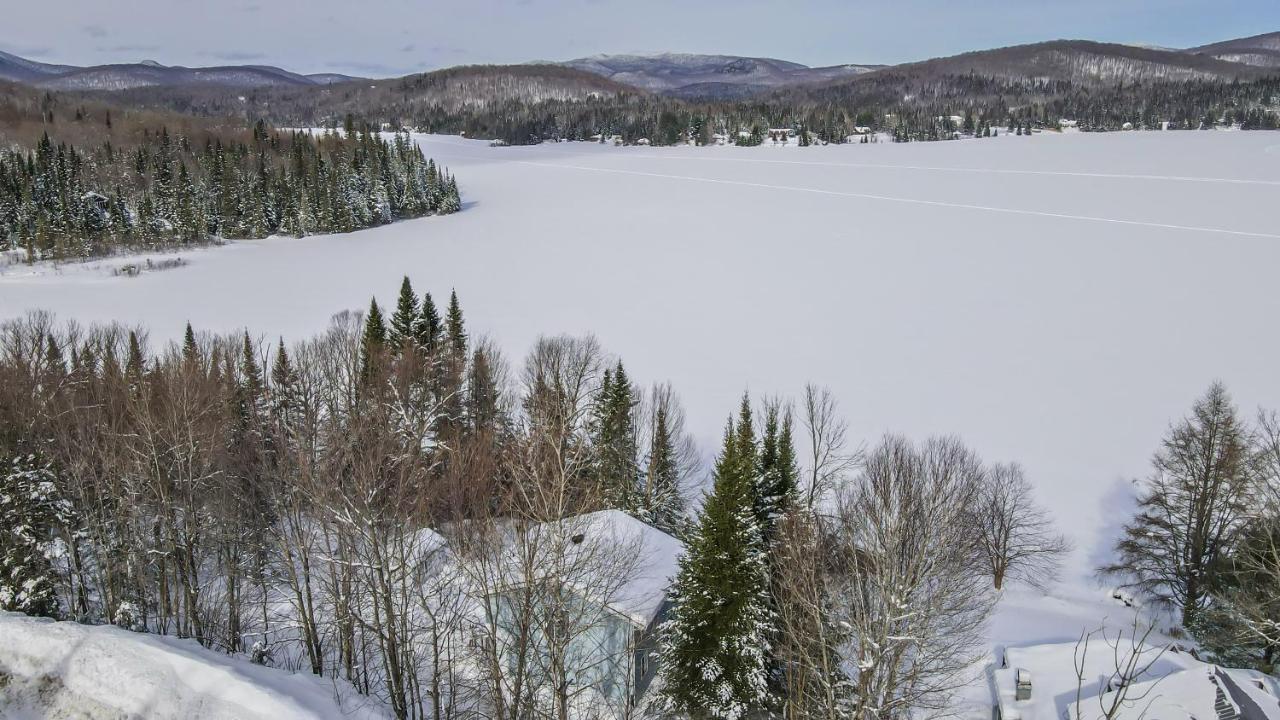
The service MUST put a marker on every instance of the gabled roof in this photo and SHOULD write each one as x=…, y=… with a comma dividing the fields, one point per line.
x=652, y=556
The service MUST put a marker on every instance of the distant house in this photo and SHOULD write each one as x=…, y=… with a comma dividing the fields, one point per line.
x=1065, y=123
x=781, y=135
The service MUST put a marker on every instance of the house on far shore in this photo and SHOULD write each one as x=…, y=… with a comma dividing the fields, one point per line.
x=781, y=135
x=1040, y=682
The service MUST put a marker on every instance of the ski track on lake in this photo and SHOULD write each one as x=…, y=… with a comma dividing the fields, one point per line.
x=981, y=171
x=912, y=201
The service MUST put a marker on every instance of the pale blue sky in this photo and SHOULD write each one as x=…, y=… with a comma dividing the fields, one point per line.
x=394, y=37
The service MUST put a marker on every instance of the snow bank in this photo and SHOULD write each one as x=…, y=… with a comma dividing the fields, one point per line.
x=62, y=670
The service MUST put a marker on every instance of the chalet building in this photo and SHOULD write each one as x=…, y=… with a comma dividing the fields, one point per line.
x=603, y=612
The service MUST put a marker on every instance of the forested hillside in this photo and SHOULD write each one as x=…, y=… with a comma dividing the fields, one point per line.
x=60, y=200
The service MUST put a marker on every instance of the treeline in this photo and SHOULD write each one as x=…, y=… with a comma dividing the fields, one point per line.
x=1204, y=541
x=62, y=201
x=908, y=107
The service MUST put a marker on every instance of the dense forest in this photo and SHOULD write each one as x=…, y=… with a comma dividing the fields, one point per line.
x=59, y=200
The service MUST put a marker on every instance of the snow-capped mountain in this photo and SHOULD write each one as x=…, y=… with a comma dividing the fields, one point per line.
x=687, y=74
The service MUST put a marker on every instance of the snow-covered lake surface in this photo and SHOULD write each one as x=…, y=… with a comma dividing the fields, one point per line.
x=1054, y=300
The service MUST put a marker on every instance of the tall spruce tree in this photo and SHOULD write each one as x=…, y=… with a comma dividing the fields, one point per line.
x=427, y=330
x=779, y=475
x=662, y=503
x=190, y=351
x=404, y=321
x=374, y=341
x=717, y=642
x=615, y=441
x=455, y=329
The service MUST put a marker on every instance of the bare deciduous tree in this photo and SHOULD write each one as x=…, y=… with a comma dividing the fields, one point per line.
x=907, y=591
x=1120, y=687
x=829, y=457
x=1015, y=536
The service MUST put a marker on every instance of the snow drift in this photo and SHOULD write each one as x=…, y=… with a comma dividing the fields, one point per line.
x=62, y=670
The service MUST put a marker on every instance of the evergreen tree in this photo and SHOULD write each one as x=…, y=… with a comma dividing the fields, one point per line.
x=404, y=322
x=374, y=341
x=483, y=393
x=457, y=334
x=717, y=641
x=34, y=513
x=779, y=475
x=133, y=368
x=427, y=331
x=615, y=441
x=190, y=350
x=663, y=505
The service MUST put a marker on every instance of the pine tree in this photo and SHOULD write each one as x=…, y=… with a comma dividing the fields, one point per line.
x=482, y=393
x=663, y=505
x=716, y=644
x=134, y=366
x=457, y=334
x=615, y=441
x=373, y=343
x=284, y=397
x=779, y=475
x=250, y=374
x=34, y=512
x=190, y=351
x=405, y=320
x=427, y=331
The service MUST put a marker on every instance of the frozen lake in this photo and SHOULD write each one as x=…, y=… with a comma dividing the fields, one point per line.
x=1054, y=300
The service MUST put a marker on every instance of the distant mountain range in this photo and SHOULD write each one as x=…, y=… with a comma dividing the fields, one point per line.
x=1087, y=62
x=149, y=73
x=240, y=89
x=690, y=75
x=1259, y=50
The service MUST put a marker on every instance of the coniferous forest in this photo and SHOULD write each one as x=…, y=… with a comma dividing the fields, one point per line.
x=60, y=201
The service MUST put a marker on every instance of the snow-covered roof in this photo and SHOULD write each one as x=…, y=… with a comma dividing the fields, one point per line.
x=1177, y=687
x=651, y=556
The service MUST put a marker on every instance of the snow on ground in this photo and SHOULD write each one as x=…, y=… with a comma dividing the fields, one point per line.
x=64, y=670
x=1055, y=300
